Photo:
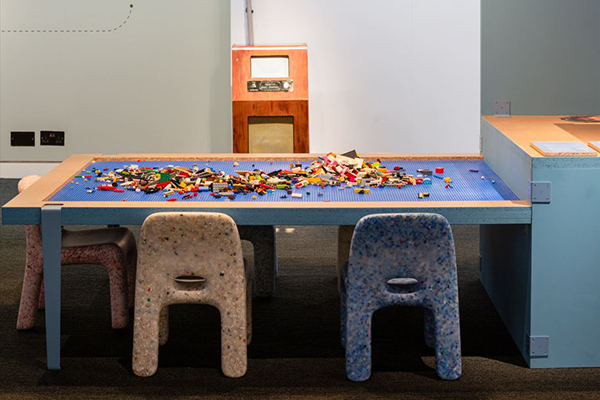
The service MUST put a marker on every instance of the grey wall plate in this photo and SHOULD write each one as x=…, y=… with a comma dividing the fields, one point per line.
x=502, y=108
x=541, y=192
x=539, y=346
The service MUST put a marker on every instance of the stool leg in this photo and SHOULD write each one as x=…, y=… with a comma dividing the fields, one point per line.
x=118, y=295
x=358, y=343
x=429, y=325
x=145, y=333
x=343, y=316
x=131, y=267
x=265, y=257
x=163, y=326
x=343, y=304
x=447, y=342
x=345, y=233
x=30, y=295
x=42, y=303
x=234, y=347
x=249, y=310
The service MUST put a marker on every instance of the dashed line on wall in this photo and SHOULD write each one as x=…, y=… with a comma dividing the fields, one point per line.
x=71, y=30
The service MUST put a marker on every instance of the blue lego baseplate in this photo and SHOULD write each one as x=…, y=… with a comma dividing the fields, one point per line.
x=483, y=185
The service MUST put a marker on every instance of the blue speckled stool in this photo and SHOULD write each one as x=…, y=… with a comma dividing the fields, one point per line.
x=405, y=260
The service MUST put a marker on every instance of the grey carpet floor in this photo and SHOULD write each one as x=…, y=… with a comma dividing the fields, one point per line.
x=295, y=352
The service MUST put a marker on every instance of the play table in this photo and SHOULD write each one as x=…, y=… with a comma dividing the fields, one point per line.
x=61, y=198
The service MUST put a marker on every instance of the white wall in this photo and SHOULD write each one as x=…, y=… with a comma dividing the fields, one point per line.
x=159, y=83
x=384, y=75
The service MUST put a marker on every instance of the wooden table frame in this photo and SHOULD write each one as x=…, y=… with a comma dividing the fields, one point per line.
x=26, y=208
x=33, y=207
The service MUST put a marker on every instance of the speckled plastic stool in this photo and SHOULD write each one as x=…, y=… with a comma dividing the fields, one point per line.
x=114, y=248
x=406, y=260
x=190, y=258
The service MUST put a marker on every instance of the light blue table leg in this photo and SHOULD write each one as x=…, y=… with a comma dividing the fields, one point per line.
x=543, y=279
x=565, y=265
x=51, y=244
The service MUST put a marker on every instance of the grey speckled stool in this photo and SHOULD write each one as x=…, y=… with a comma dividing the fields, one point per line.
x=262, y=238
x=406, y=260
x=191, y=258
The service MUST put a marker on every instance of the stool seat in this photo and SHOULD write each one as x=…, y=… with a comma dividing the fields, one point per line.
x=120, y=237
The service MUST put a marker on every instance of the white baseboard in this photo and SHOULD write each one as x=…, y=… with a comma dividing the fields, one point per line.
x=20, y=169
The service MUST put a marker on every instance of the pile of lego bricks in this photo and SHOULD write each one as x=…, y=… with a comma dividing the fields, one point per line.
x=348, y=170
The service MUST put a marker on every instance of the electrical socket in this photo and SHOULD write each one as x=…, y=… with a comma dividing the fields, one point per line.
x=52, y=138
x=22, y=139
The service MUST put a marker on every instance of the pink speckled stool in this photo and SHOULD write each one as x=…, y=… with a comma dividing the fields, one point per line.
x=191, y=258
x=114, y=248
